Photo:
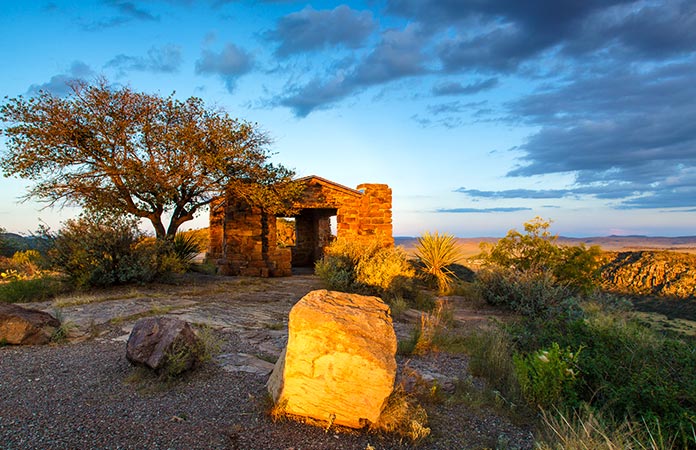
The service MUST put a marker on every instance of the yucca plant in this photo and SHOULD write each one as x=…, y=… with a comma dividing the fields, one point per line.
x=186, y=247
x=436, y=252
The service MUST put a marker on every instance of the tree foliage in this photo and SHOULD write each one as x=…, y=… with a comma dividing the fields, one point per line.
x=535, y=249
x=536, y=252
x=108, y=148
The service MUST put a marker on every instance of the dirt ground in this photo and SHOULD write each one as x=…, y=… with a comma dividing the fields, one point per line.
x=224, y=404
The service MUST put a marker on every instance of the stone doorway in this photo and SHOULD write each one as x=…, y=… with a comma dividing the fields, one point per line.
x=312, y=235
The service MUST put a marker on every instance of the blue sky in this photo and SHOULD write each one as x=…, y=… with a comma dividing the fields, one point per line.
x=480, y=114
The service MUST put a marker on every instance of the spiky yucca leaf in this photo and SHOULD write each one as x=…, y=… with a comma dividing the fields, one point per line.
x=436, y=252
x=186, y=246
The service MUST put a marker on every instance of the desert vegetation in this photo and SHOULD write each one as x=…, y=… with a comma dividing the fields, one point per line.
x=576, y=357
x=95, y=250
x=571, y=359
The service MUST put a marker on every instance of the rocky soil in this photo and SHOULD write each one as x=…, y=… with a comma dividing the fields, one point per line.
x=84, y=394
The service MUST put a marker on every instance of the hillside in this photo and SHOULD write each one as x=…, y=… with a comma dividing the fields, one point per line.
x=661, y=273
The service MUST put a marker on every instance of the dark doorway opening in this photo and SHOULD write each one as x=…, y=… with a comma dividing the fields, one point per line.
x=312, y=235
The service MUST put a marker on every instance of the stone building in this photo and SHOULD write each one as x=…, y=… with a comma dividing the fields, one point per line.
x=244, y=240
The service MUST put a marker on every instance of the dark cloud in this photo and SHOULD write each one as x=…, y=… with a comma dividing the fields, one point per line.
x=456, y=88
x=229, y=64
x=503, y=35
x=650, y=30
x=628, y=124
x=309, y=29
x=59, y=85
x=127, y=12
x=165, y=59
x=515, y=193
x=676, y=191
x=317, y=94
x=499, y=35
x=616, y=80
x=455, y=107
x=398, y=55
x=130, y=9
x=482, y=210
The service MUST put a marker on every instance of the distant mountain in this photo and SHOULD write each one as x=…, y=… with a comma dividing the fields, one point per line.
x=471, y=246
x=12, y=242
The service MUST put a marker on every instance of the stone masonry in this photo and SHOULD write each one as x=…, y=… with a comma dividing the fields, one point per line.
x=244, y=241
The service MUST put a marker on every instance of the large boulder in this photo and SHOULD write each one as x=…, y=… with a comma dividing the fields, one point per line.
x=22, y=326
x=156, y=342
x=339, y=365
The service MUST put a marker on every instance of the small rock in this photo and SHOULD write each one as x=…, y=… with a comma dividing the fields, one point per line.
x=154, y=339
x=24, y=326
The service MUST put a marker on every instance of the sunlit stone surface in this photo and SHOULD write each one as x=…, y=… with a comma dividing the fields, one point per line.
x=339, y=363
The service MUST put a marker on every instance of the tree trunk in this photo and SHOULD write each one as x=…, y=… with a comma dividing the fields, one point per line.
x=157, y=224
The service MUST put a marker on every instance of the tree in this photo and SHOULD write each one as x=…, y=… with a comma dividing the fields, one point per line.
x=536, y=252
x=139, y=154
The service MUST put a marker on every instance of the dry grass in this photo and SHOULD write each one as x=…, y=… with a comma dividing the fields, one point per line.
x=587, y=430
x=403, y=416
x=434, y=326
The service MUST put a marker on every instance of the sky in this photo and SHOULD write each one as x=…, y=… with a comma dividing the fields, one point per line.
x=479, y=114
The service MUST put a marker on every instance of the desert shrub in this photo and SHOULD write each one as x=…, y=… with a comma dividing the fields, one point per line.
x=30, y=290
x=433, y=328
x=490, y=357
x=398, y=305
x=27, y=263
x=536, y=252
x=336, y=272
x=366, y=268
x=579, y=267
x=22, y=265
x=403, y=416
x=625, y=369
x=388, y=271
x=526, y=292
x=102, y=250
x=548, y=377
x=62, y=333
x=183, y=356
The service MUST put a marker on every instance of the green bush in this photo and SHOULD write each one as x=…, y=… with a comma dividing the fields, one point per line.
x=625, y=369
x=490, y=356
x=548, y=377
x=366, y=268
x=536, y=252
x=529, y=293
x=387, y=271
x=102, y=250
x=30, y=290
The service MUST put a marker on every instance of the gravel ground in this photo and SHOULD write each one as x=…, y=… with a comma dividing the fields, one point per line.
x=86, y=395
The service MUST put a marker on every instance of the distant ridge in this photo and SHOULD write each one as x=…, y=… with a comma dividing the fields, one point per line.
x=470, y=246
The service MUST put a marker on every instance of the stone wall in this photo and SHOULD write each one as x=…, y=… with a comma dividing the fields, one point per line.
x=244, y=239
x=243, y=242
